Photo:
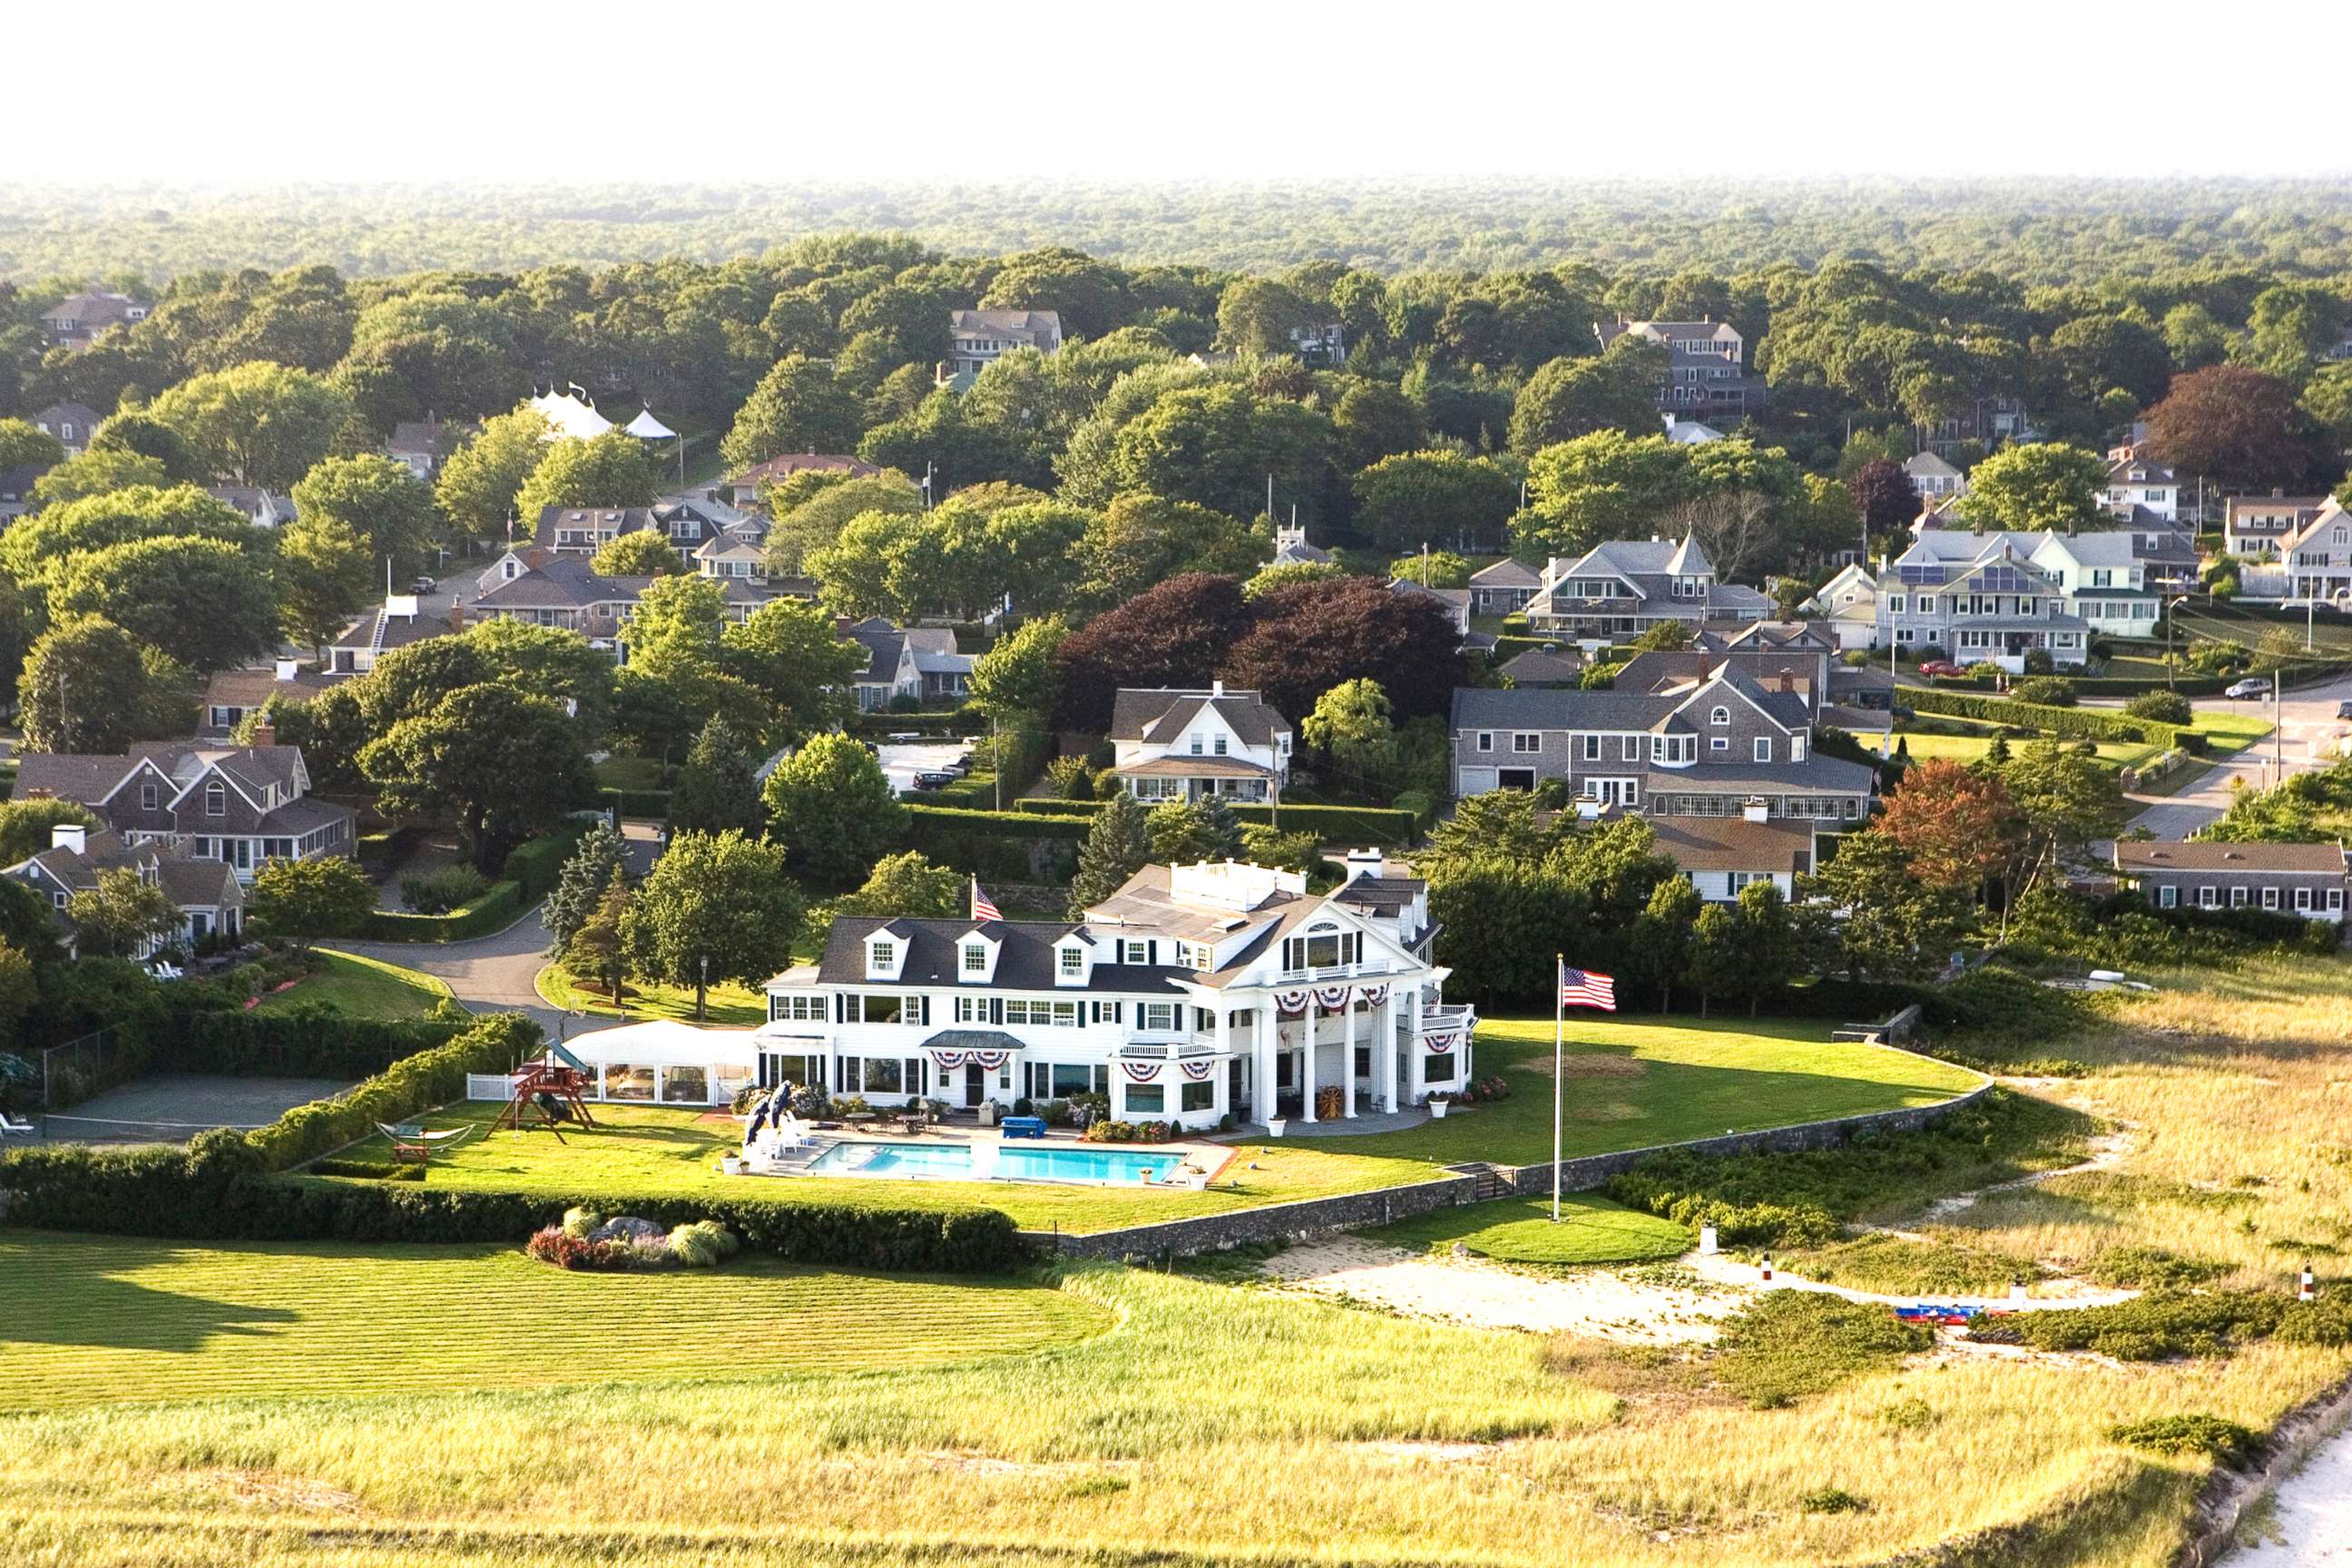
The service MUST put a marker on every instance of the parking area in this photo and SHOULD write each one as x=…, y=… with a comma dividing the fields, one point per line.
x=904, y=761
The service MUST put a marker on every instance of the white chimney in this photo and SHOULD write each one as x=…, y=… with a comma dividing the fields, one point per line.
x=1216, y=689
x=1364, y=863
x=284, y=668
x=1588, y=808
x=72, y=836
x=1755, y=810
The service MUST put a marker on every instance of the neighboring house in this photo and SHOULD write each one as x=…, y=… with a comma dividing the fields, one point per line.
x=1191, y=993
x=547, y=589
x=1172, y=744
x=1621, y=589
x=984, y=337
x=1550, y=665
x=1757, y=635
x=918, y=662
x=1848, y=607
x=70, y=423
x=1804, y=666
x=2105, y=580
x=1690, y=432
x=1291, y=549
x=2253, y=525
x=74, y=322
x=583, y=531
x=207, y=893
x=1323, y=344
x=261, y=508
x=1503, y=588
x=397, y=622
x=2167, y=554
x=240, y=805
x=422, y=446
x=1979, y=596
x=2136, y=483
x=2315, y=558
x=1932, y=478
x=743, y=489
x=17, y=489
x=1455, y=602
x=231, y=695
x=1721, y=855
x=2307, y=879
x=1702, y=747
x=1705, y=366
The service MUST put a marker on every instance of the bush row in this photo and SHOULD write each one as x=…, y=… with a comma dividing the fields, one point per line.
x=2067, y=723
x=409, y=1086
x=925, y=822
x=653, y=803
x=215, y=1191
x=493, y=912
x=961, y=721
x=239, y=1044
x=1341, y=824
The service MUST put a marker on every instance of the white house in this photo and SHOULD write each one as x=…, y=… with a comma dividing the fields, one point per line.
x=2136, y=483
x=1722, y=854
x=1193, y=993
x=1934, y=477
x=1171, y=744
x=1848, y=605
x=2317, y=557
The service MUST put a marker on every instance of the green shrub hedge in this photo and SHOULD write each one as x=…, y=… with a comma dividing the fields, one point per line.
x=964, y=721
x=926, y=821
x=493, y=912
x=239, y=1043
x=2066, y=723
x=216, y=1191
x=1346, y=823
x=641, y=802
x=409, y=1086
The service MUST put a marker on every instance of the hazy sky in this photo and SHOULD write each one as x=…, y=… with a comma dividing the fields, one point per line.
x=566, y=92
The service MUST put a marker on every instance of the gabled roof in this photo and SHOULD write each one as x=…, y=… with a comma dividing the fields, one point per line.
x=1928, y=465
x=1510, y=572
x=790, y=463
x=1539, y=664
x=2221, y=855
x=1158, y=715
x=612, y=521
x=1024, y=960
x=1777, y=846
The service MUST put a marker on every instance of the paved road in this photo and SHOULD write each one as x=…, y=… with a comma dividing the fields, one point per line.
x=2307, y=738
x=496, y=974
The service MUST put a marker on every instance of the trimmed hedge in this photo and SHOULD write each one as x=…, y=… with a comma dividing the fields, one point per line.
x=923, y=821
x=239, y=1044
x=215, y=1191
x=640, y=803
x=1363, y=824
x=2066, y=723
x=961, y=721
x=493, y=912
x=406, y=1088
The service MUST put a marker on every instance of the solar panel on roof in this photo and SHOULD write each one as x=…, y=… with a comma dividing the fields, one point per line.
x=1923, y=576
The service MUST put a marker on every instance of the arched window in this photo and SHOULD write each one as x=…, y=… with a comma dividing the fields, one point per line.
x=216, y=799
x=1720, y=716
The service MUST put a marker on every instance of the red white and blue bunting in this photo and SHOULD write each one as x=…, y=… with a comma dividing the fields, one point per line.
x=1291, y=1003
x=1199, y=1070
x=949, y=1060
x=1373, y=996
x=1142, y=1072
x=987, y=1061
x=1330, y=999
x=1442, y=1045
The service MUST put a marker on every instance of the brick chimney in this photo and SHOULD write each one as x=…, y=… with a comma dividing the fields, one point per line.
x=457, y=613
x=265, y=733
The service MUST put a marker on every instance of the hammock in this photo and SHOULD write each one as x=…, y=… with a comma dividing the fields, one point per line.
x=411, y=1133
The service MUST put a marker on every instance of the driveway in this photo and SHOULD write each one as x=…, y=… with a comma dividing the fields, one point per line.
x=2308, y=731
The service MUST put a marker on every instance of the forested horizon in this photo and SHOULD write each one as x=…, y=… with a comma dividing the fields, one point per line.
x=2037, y=232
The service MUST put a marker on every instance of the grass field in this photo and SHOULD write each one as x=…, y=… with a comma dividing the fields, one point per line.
x=2114, y=755
x=362, y=988
x=87, y=1319
x=1591, y=1230
x=1630, y=1084
x=730, y=1007
x=631, y=773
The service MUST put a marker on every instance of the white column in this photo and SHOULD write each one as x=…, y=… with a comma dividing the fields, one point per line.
x=1420, y=1085
x=1264, y=1032
x=1347, y=1057
x=1306, y=1067
x=1225, y=1044
x=1388, y=1049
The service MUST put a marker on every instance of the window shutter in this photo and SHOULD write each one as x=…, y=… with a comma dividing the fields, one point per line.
x=996, y=1009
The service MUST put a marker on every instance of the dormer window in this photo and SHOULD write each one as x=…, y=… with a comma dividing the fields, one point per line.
x=883, y=956
x=148, y=800
x=1071, y=962
x=216, y=799
x=975, y=959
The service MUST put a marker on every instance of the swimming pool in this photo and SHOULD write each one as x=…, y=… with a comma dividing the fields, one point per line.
x=996, y=1162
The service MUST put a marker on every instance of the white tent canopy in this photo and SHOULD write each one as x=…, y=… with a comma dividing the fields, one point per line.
x=664, y=1042
x=569, y=417
x=645, y=427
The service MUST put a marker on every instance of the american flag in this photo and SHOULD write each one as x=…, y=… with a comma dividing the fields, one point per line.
x=1582, y=988
x=983, y=907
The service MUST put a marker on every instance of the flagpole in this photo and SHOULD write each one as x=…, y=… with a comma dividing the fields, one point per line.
x=1558, y=1032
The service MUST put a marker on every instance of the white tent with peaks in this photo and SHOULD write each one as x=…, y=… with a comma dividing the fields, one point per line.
x=645, y=427
x=569, y=417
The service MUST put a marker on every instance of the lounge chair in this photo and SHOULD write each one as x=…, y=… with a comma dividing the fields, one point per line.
x=11, y=1128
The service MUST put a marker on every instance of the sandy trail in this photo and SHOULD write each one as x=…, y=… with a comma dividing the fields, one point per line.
x=2310, y=1524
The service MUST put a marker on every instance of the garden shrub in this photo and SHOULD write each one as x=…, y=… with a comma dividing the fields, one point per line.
x=2164, y=707
x=442, y=889
x=1911, y=1414
x=2047, y=690
x=1792, y=1343
x=1071, y=778
x=1832, y=1499
x=370, y=1170
x=408, y=1087
x=2225, y=1441
x=2149, y=1268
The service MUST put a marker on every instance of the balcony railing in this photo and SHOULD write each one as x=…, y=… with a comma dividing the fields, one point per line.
x=1342, y=971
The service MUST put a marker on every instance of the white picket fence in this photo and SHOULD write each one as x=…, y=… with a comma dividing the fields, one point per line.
x=489, y=1086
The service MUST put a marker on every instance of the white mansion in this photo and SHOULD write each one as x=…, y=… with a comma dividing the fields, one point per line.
x=1193, y=993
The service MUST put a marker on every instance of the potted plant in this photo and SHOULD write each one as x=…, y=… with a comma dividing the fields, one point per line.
x=1275, y=1124
x=731, y=1164
x=1439, y=1104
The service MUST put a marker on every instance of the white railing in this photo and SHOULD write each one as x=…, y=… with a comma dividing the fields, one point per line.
x=489, y=1086
x=1342, y=971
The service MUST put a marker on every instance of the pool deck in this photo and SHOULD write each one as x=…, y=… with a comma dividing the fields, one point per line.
x=1200, y=1157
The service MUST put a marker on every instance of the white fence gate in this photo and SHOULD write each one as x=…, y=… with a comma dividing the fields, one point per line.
x=489, y=1086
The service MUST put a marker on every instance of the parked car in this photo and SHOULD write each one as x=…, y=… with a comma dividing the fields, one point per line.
x=2253, y=686
x=423, y=585
x=2344, y=709
x=934, y=780
x=903, y=737
x=1941, y=667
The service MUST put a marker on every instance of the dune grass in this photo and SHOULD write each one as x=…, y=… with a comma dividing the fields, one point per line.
x=1592, y=1230
x=98, y=1318
x=1630, y=1083
x=361, y=988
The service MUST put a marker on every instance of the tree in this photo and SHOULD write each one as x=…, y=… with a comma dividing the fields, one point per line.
x=547, y=662
x=1421, y=497
x=201, y=602
x=907, y=885
x=381, y=501
x=1663, y=636
x=809, y=519
x=302, y=900
x=1351, y=724
x=1185, y=832
x=28, y=827
x=681, y=623
x=1892, y=925
x=2066, y=801
x=502, y=764
x=830, y=807
x=1768, y=942
x=259, y=423
x=1373, y=420
x=790, y=653
x=1663, y=935
x=480, y=479
x=1168, y=635
x=1882, y=487
x=1306, y=637
x=1142, y=540
x=1284, y=573
x=325, y=572
x=716, y=906
x=598, y=946
x=24, y=445
x=2042, y=485
x=410, y=683
x=2193, y=337
x=1955, y=824
x=882, y=563
x=799, y=406
x=2239, y=428
x=122, y=917
x=1118, y=845
x=2098, y=353
x=1572, y=397
x=88, y=687
x=640, y=552
x=1257, y=315
x=1598, y=486
x=94, y=473
x=595, y=860
x=615, y=469
x=34, y=547
x=1215, y=446
x=1433, y=569
x=717, y=789
x=1019, y=678
x=137, y=433
x=1499, y=825
x=20, y=991
x=1715, y=963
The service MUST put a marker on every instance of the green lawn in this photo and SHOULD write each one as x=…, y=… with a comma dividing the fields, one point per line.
x=2113, y=754
x=90, y=1319
x=362, y=988
x=1591, y=1230
x=631, y=773
x=2232, y=730
x=1630, y=1084
x=731, y=1006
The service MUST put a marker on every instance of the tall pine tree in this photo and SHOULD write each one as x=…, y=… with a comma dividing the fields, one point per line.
x=583, y=883
x=719, y=787
x=1118, y=846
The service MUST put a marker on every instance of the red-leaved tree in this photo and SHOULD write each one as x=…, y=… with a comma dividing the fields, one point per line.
x=1173, y=633
x=1306, y=637
x=2239, y=428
